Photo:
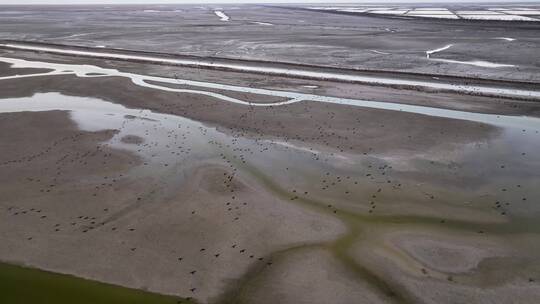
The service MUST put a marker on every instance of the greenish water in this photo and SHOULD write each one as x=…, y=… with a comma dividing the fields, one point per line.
x=21, y=285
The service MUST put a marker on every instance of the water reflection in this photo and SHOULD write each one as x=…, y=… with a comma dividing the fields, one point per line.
x=480, y=171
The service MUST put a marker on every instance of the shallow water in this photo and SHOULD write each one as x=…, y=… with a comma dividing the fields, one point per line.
x=263, y=23
x=430, y=52
x=169, y=141
x=26, y=285
x=492, y=91
x=505, y=38
x=498, y=17
x=439, y=16
x=159, y=147
x=500, y=14
x=479, y=63
x=222, y=16
x=141, y=80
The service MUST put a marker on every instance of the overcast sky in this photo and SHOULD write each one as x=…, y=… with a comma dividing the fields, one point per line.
x=240, y=1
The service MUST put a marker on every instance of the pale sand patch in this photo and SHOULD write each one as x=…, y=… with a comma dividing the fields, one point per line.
x=446, y=253
x=500, y=17
x=388, y=12
x=309, y=276
x=494, y=272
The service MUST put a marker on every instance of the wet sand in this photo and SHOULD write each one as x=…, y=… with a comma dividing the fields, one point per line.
x=188, y=195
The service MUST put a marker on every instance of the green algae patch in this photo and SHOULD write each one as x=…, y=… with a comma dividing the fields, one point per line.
x=21, y=285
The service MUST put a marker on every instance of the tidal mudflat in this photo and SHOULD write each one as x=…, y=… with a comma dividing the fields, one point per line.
x=175, y=183
x=357, y=39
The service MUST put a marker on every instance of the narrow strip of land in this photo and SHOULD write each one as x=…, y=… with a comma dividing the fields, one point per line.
x=158, y=83
x=417, y=84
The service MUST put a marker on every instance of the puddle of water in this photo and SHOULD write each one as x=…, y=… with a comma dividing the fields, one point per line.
x=430, y=52
x=505, y=38
x=491, y=91
x=388, y=12
x=222, y=16
x=523, y=12
x=263, y=23
x=379, y=52
x=479, y=63
x=439, y=16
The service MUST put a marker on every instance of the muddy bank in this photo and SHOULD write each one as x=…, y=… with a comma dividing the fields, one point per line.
x=336, y=127
x=308, y=37
x=327, y=88
x=416, y=82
